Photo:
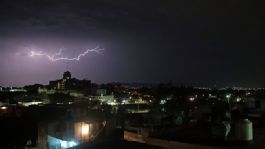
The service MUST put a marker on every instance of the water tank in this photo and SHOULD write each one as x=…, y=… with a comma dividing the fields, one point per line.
x=244, y=130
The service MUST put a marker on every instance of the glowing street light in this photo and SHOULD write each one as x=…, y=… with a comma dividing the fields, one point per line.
x=3, y=108
x=228, y=96
x=238, y=99
x=191, y=98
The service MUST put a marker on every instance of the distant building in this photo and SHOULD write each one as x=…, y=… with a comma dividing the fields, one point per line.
x=75, y=126
x=250, y=102
x=67, y=133
x=69, y=83
x=101, y=92
x=17, y=90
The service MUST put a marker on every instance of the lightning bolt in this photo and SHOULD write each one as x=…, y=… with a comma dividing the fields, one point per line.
x=57, y=56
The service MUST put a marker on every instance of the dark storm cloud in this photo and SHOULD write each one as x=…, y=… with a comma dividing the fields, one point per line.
x=202, y=42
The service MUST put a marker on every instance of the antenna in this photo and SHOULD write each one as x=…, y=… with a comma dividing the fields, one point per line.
x=67, y=66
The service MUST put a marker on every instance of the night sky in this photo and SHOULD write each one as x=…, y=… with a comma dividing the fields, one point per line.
x=195, y=42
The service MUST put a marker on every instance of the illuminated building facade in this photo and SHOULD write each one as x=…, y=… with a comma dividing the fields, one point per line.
x=67, y=133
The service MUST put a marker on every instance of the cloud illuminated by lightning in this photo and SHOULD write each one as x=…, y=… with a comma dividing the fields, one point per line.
x=57, y=56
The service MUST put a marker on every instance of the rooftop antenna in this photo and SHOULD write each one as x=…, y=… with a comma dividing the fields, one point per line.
x=67, y=66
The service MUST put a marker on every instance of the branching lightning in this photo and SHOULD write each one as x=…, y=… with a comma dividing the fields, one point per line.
x=58, y=56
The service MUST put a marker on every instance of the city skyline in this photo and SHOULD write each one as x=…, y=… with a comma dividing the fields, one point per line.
x=199, y=43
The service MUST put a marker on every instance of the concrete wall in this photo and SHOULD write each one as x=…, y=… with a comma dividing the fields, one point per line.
x=130, y=136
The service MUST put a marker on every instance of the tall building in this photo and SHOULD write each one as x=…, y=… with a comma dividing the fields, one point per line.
x=69, y=83
x=67, y=75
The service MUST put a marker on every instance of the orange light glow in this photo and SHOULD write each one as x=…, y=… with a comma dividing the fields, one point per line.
x=85, y=129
